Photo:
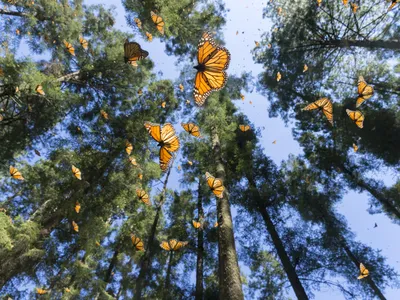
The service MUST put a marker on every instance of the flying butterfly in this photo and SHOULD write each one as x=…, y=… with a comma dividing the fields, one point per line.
x=190, y=163
x=216, y=224
x=158, y=21
x=345, y=2
x=128, y=147
x=354, y=7
x=173, y=245
x=244, y=128
x=364, y=90
x=67, y=290
x=149, y=36
x=167, y=141
x=77, y=207
x=41, y=291
x=69, y=47
x=323, y=104
x=319, y=2
x=143, y=196
x=39, y=90
x=98, y=244
x=212, y=61
x=269, y=46
x=137, y=242
x=14, y=173
x=274, y=142
x=355, y=147
x=181, y=87
x=163, y=104
x=133, y=52
x=76, y=172
x=215, y=185
x=278, y=76
x=37, y=152
x=75, y=226
x=242, y=97
x=257, y=43
x=187, y=101
x=357, y=116
x=394, y=2
x=140, y=92
x=138, y=23
x=196, y=224
x=132, y=160
x=140, y=176
x=363, y=272
x=104, y=114
x=305, y=68
x=84, y=43
x=191, y=128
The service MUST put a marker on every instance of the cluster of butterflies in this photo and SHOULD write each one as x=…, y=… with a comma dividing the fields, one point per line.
x=355, y=7
x=158, y=21
x=365, y=91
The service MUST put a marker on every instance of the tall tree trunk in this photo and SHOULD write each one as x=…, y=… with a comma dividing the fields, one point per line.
x=168, y=277
x=386, y=203
x=146, y=260
x=369, y=280
x=200, y=248
x=113, y=262
x=230, y=285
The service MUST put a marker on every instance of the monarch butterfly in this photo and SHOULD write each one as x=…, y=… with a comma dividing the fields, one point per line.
x=137, y=242
x=216, y=224
x=138, y=23
x=363, y=272
x=143, y=196
x=167, y=140
x=158, y=21
x=77, y=173
x=41, y=291
x=305, y=68
x=354, y=7
x=133, y=52
x=319, y=2
x=190, y=163
x=179, y=168
x=172, y=245
x=244, y=128
x=37, y=152
x=196, y=224
x=355, y=147
x=17, y=31
x=149, y=36
x=279, y=10
x=257, y=43
x=242, y=97
x=212, y=61
x=140, y=92
x=39, y=90
x=67, y=290
x=278, y=76
x=98, y=244
x=104, y=114
x=187, y=101
x=325, y=105
x=14, y=173
x=345, y=2
x=69, y=47
x=364, y=90
x=132, y=160
x=216, y=185
x=356, y=116
x=75, y=226
x=191, y=128
x=274, y=142
x=77, y=207
x=128, y=147
x=163, y=104
x=140, y=176
x=181, y=87
x=237, y=32
x=83, y=42
x=269, y=46
x=394, y=2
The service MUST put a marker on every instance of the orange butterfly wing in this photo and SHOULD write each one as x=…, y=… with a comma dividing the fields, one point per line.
x=158, y=21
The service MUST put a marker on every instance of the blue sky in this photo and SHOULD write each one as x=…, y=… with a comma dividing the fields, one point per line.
x=246, y=16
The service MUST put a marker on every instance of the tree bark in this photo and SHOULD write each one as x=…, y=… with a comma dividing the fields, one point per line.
x=200, y=248
x=286, y=263
x=168, y=277
x=369, y=280
x=230, y=285
x=146, y=260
